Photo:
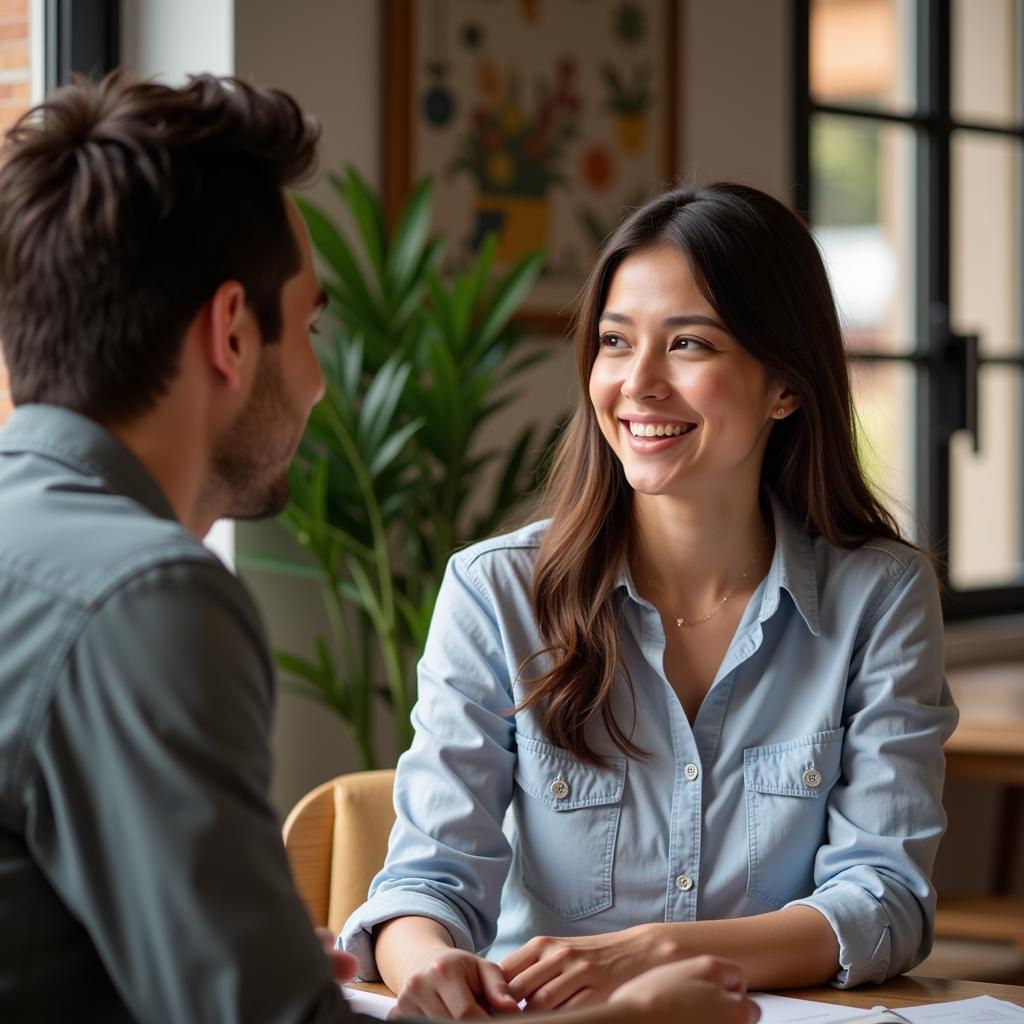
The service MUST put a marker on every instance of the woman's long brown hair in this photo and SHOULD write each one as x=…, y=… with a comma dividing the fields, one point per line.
x=759, y=267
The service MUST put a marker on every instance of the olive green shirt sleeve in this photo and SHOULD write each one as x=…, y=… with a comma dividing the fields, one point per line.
x=148, y=809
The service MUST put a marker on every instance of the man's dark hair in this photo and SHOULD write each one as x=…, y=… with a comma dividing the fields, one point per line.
x=124, y=205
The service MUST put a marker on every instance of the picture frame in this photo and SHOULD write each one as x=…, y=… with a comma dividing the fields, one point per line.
x=542, y=121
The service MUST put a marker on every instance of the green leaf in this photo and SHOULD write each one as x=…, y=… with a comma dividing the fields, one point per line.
x=508, y=297
x=332, y=246
x=409, y=239
x=382, y=398
x=279, y=565
x=386, y=453
x=300, y=667
x=368, y=216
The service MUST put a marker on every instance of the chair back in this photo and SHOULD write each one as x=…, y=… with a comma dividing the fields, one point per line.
x=336, y=838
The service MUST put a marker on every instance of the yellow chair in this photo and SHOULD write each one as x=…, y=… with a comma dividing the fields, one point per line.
x=336, y=838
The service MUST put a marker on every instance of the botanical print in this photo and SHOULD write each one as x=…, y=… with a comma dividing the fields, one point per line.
x=541, y=121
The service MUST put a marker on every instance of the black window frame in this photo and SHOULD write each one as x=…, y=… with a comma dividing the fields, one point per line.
x=81, y=37
x=947, y=363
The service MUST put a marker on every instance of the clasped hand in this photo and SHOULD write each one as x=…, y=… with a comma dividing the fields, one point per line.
x=548, y=972
x=579, y=971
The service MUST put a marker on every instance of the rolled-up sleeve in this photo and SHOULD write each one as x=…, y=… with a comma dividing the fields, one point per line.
x=448, y=856
x=885, y=815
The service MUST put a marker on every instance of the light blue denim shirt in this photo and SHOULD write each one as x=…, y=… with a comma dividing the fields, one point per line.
x=811, y=775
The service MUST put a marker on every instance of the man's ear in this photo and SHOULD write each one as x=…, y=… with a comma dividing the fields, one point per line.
x=232, y=336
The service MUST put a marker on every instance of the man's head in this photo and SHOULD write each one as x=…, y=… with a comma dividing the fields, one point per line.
x=124, y=206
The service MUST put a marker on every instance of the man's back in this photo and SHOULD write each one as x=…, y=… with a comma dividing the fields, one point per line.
x=135, y=703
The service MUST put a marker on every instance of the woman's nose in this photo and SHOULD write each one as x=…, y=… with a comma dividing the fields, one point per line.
x=646, y=379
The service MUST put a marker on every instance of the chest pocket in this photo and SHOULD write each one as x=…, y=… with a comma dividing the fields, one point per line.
x=567, y=822
x=787, y=786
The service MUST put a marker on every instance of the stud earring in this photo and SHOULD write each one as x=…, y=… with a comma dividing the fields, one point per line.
x=780, y=412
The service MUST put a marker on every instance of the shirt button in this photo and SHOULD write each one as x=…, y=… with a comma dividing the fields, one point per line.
x=812, y=778
x=684, y=883
x=691, y=771
x=559, y=789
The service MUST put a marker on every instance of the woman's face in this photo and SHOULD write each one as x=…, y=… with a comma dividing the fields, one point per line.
x=682, y=404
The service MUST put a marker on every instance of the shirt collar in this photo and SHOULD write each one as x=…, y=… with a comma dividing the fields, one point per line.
x=85, y=446
x=792, y=570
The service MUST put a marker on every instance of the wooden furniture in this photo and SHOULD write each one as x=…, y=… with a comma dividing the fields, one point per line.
x=336, y=838
x=901, y=991
x=907, y=991
x=988, y=747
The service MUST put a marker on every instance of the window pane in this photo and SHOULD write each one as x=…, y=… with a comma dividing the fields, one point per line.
x=862, y=52
x=883, y=395
x=987, y=41
x=18, y=90
x=863, y=217
x=986, y=240
x=985, y=518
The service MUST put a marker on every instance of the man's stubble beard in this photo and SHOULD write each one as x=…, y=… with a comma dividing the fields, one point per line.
x=249, y=466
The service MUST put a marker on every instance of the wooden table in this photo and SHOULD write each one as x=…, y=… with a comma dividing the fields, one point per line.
x=901, y=991
x=907, y=991
x=988, y=747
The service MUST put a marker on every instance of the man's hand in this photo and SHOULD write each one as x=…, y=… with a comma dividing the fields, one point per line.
x=343, y=965
x=702, y=988
x=455, y=985
x=580, y=971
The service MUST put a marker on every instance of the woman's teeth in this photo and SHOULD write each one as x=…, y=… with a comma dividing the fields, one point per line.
x=657, y=429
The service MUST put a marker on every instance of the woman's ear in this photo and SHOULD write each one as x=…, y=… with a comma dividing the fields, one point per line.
x=785, y=401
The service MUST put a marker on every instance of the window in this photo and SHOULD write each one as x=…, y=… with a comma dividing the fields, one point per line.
x=910, y=163
x=20, y=86
x=41, y=43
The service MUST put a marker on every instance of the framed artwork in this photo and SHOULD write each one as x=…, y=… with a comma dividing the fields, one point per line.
x=542, y=121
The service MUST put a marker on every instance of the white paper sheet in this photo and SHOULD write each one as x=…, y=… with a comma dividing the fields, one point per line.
x=980, y=1010
x=784, y=1010
x=370, y=1003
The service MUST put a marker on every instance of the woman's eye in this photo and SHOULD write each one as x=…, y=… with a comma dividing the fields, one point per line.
x=612, y=340
x=689, y=344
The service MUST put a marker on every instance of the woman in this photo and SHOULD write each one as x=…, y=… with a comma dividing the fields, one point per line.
x=708, y=689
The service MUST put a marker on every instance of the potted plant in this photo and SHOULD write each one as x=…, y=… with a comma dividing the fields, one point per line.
x=381, y=486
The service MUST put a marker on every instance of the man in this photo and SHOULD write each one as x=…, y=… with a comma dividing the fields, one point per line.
x=157, y=294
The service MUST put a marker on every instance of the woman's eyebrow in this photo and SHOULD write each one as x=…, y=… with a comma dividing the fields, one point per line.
x=683, y=320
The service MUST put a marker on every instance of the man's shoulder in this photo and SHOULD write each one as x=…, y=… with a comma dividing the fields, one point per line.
x=78, y=541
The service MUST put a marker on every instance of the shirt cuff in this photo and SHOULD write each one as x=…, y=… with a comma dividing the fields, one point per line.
x=357, y=934
x=862, y=929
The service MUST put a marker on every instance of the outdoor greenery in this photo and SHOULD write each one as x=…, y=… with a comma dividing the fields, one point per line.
x=386, y=482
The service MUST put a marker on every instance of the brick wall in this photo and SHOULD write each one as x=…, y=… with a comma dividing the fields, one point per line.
x=15, y=97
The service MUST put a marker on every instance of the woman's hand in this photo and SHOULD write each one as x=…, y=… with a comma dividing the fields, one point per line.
x=550, y=972
x=455, y=985
x=702, y=988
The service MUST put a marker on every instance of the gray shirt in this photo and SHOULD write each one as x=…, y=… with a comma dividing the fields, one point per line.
x=142, y=875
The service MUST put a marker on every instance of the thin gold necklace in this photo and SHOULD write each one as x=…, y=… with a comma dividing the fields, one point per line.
x=682, y=621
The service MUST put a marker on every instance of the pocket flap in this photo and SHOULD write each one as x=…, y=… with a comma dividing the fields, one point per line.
x=808, y=766
x=553, y=776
